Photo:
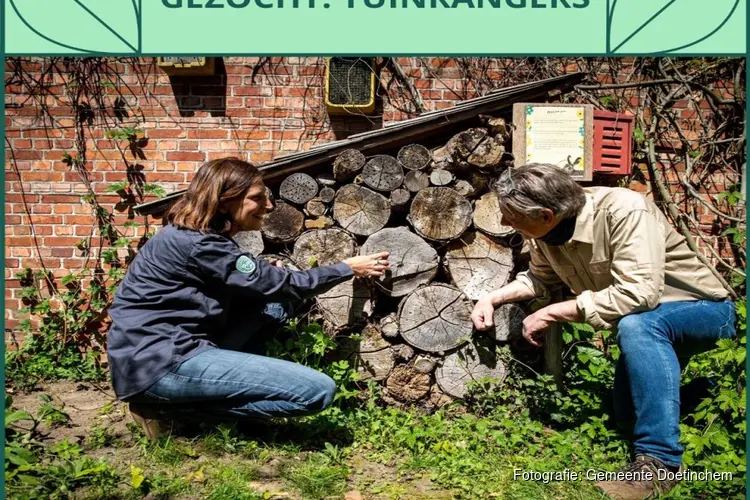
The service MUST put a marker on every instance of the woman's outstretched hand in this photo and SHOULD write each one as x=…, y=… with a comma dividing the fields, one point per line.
x=369, y=265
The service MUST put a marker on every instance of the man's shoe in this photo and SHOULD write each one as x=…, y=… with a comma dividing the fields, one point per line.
x=152, y=427
x=644, y=478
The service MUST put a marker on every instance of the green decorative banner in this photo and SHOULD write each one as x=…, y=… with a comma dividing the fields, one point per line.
x=212, y=27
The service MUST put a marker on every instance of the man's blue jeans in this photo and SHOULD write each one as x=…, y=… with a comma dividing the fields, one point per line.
x=226, y=384
x=647, y=377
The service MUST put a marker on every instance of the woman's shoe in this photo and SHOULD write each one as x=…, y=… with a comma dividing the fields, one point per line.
x=152, y=427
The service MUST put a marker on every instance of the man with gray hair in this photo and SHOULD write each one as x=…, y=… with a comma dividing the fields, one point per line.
x=630, y=271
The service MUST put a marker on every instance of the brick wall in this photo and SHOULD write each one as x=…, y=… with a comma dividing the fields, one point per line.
x=255, y=108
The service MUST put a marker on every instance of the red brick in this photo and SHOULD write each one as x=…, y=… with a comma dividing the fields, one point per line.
x=27, y=155
x=62, y=252
x=166, y=133
x=167, y=177
x=43, y=133
x=60, y=241
x=60, y=198
x=207, y=134
x=42, y=176
x=186, y=156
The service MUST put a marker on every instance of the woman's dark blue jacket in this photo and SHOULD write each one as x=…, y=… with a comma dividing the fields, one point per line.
x=177, y=294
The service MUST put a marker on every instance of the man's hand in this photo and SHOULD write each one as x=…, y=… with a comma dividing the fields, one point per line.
x=535, y=326
x=482, y=314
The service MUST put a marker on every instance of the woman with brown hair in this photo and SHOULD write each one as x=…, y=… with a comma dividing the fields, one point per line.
x=180, y=343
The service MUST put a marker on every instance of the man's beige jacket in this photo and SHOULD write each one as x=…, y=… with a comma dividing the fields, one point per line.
x=624, y=257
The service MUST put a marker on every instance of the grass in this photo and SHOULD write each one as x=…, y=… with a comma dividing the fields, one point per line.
x=385, y=453
x=316, y=477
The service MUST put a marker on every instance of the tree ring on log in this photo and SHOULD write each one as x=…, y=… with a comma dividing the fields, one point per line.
x=360, y=210
x=389, y=326
x=435, y=318
x=415, y=181
x=400, y=199
x=372, y=356
x=440, y=214
x=327, y=194
x=487, y=217
x=298, y=188
x=477, y=264
x=348, y=164
x=468, y=364
x=346, y=304
x=250, y=241
x=323, y=247
x=412, y=260
x=283, y=224
x=414, y=156
x=440, y=177
x=315, y=208
x=383, y=173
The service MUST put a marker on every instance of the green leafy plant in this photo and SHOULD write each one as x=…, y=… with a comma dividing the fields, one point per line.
x=49, y=414
x=714, y=433
x=60, y=335
x=309, y=344
x=19, y=448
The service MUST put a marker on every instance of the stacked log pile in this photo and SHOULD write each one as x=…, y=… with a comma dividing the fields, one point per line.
x=435, y=212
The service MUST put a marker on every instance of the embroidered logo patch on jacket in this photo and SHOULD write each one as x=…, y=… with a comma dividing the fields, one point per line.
x=245, y=264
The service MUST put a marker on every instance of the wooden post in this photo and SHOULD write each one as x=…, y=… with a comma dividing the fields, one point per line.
x=553, y=347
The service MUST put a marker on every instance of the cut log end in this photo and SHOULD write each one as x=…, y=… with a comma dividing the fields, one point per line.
x=360, y=210
x=315, y=208
x=383, y=173
x=488, y=218
x=468, y=364
x=413, y=262
x=250, y=241
x=414, y=157
x=389, y=326
x=400, y=200
x=441, y=177
x=348, y=164
x=464, y=188
x=372, y=356
x=408, y=385
x=283, y=224
x=298, y=188
x=435, y=318
x=415, y=181
x=327, y=194
x=440, y=214
x=346, y=305
x=323, y=247
x=478, y=264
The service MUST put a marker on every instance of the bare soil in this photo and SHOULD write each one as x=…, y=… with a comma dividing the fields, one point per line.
x=91, y=406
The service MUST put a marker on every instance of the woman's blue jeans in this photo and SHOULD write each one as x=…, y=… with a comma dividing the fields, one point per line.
x=647, y=377
x=226, y=384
